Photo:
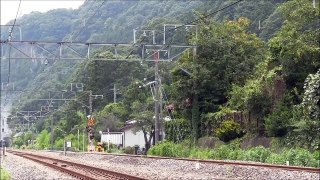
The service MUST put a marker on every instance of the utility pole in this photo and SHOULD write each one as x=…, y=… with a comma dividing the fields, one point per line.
x=114, y=89
x=78, y=139
x=90, y=103
x=114, y=93
x=195, y=100
x=314, y=3
x=157, y=97
x=1, y=138
x=161, y=115
x=83, y=140
x=89, y=119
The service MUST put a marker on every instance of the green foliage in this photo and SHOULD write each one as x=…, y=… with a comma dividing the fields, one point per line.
x=316, y=155
x=295, y=46
x=139, y=103
x=272, y=24
x=197, y=153
x=226, y=55
x=177, y=130
x=229, y=130
x=17, y=141
x=195, y=118
x=23, y=139
x=43, y=140
x=276, y=159
x=128, y=150
x=169, y=149
x=260, y=96
x=210, y=122
x=277, y=122
x=311, y=97
x=232, y=151
x=4, y=175
x=253, y=95
x=111, y=117
x=59, y=143
x=259, y=154
x=306, y=115
x=296, y=157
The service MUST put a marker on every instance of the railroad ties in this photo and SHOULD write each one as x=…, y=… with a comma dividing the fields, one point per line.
x=77, y=170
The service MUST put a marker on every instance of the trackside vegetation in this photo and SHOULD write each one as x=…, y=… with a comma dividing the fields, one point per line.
x=4, y=175
x=233, y=151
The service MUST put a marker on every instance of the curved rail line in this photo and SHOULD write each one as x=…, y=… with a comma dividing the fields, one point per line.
x=77, y=170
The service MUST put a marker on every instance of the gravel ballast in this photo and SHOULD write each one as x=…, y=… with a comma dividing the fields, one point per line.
x=24, y=169
x=178, y=169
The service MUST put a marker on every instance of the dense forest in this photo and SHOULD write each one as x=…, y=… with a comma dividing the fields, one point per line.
x=256, y=70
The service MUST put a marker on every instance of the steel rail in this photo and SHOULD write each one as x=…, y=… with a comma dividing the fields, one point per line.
x=103, y=173
x=222, y=162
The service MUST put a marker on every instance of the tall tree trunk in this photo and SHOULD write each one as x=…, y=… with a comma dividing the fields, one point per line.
x=152, y=133
x=146, y=140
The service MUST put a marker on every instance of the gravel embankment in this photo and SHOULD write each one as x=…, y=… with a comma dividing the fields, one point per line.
x=24, y=169
x=177, y=169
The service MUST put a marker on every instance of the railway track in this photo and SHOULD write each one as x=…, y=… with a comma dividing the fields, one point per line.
x=77, y=170
x=221, y=162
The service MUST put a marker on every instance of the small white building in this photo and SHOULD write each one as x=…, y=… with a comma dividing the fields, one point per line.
x=116, y=138
x=128, y=137
x=131, y=138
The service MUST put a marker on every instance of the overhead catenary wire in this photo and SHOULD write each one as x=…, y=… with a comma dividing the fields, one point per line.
x=210, y=14
x=188, y=23
x=170, y=29
x=9, y=39
x=9, y=57
x=206, y=16
x=78, y=33
x=199, y=19
x=14, y=22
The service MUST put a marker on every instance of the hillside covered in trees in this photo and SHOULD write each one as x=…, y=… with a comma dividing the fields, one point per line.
x=256, y=70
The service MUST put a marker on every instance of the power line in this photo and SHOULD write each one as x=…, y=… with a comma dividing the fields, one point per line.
x=71, y=36
x=96, y=11
x=208, y=15
x=170, y=29
x=157, y=123
x=9, y=39
x=15, y=19
x=196, y=20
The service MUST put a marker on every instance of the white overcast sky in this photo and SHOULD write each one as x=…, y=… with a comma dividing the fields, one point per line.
x=9, y=7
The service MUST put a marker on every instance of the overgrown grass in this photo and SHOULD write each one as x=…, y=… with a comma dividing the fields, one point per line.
x=4, y=175
x=232, y=151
